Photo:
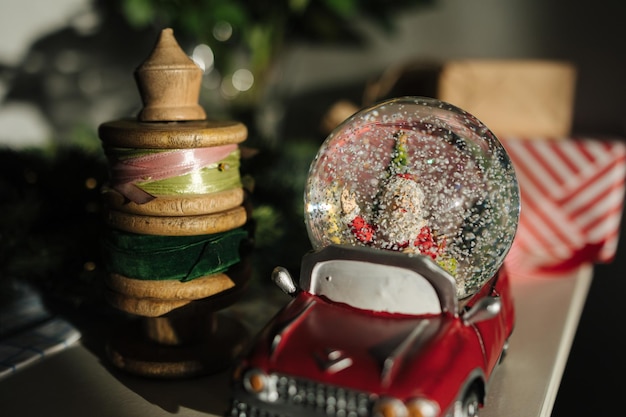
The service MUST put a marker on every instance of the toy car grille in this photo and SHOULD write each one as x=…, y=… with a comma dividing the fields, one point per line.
x=241, y=409
x=329, y=399
x=310, y=398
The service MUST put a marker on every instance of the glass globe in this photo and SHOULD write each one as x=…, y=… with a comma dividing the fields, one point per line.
x=416, y=175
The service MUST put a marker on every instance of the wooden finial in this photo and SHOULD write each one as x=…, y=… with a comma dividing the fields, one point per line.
x=169, y=83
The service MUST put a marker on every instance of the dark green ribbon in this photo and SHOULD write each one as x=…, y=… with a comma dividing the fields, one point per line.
x=181, y=258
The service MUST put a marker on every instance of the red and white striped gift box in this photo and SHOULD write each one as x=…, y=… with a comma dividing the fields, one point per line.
x=572, y=193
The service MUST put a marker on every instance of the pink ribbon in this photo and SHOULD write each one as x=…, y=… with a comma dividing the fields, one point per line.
x=161, y=165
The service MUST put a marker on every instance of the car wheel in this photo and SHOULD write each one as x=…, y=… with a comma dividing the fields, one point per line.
x=470, y=404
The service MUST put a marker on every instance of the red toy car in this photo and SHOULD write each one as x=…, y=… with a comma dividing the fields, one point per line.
x=375, y=333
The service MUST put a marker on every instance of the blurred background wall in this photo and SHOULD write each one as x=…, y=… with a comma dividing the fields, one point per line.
x=66, y=66
x=77, y=59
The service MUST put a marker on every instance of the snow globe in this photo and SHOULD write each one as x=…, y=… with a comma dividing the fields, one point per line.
x=416, y=175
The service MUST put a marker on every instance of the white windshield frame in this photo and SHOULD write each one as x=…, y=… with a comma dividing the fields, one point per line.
x=375, y=287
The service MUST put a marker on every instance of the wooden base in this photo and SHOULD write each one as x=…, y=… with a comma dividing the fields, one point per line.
x=155, y=347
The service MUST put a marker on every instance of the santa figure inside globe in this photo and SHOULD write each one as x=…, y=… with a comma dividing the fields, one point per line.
x=399, y=221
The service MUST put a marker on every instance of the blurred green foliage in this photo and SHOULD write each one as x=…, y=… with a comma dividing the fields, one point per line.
x=258, y=29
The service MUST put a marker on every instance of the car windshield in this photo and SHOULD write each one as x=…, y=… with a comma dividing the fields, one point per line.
x=375, y=287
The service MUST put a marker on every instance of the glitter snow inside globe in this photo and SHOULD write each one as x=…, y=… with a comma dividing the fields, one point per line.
x=417, y=176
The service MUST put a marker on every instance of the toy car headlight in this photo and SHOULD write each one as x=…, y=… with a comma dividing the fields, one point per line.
x=260, y=384
x=390, y=407
x=419, y=407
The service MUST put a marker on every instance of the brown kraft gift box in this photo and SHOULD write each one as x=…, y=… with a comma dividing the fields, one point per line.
x=524, y=98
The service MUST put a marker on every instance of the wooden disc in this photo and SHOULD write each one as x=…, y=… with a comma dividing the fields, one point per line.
x=177, y=205
x=130, y=133
x=151, y=298
x=155, y=307
x=169, y=290
x=178, y=225
x=164, y=298
x=145, y=307
x=131, y=351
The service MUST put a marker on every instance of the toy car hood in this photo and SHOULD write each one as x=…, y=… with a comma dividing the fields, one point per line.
x=342, y=347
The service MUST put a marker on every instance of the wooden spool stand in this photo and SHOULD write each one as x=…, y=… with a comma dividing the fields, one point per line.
x=175, y=330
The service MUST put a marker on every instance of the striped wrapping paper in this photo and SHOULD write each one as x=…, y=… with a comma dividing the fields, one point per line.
x=572, y=193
